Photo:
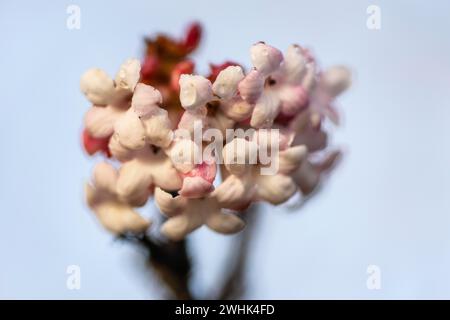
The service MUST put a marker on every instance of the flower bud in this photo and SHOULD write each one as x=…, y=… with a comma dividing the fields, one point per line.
x=128, y=75
x=251, y=87
x=265, y=58
x=97, y=86
x=336, y=80
x=195, y=91
x=145, y=99
x=294, y=64
x=227, y=81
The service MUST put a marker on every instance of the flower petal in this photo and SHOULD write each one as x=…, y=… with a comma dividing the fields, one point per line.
x=291, y=158
x=158, y=128
x=294, y=64
x=99, y=121
x=195, y=91
x=252, y=86
x=235, y=193
x=265, y=111
x=169, y=205
x=130, y=131
x=97, y=86
x=225, y=223
x=128, y=75
x=145, y=99
x=275, y=189
x=265, y=58
x=133, y=184
x=226, y=84
x=178, y=227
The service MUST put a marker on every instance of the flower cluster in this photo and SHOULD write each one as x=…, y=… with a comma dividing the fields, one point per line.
x=153, y=121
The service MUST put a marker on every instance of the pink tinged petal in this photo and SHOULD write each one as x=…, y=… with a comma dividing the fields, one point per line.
x=97, y=86
x=133, y=184
x=238, y=154
x=195, y=91
x=105, y=177
x=128, y=75
x=336, y=80
x=178, y=227
x=199, y=181
x=99, y=121
x=275, y=189
x=290, y=159
x=145, y=100
x=225, y=223
x=309, y=80
x=235, y=193
x=293, y=99
x=265, y=58
x=130, y=131
x=265, y=111
x=281, y=138
x=195, y=187
x=332, y=114
x=226, y=84
x=169, y=205
x=252, y=86
x=158, y=128
x=294, y=66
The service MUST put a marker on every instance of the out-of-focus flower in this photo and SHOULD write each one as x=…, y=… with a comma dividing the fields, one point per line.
x=114, y=214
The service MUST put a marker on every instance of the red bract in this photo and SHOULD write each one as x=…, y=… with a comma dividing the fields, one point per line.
x=149, y=67
x=192, y=37
x=93, y=145
x=183, y=67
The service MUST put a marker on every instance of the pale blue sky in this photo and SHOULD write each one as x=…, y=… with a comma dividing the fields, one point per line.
x=387, y=204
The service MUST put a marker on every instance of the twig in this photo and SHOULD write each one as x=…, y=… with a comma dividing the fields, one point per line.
x=234, y=286
x=169, y=260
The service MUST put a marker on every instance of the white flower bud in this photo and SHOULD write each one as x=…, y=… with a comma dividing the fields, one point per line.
x=97, y=86
x=294, y=64
x=195, y=91
x=128, y=75
x=227, y=81
x=145, y=99
x=265, y=59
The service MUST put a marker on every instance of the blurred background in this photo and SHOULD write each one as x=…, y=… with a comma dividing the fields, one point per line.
x=387, y=204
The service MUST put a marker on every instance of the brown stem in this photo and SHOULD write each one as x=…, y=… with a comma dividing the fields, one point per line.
x=169, y=260
x=234, y=286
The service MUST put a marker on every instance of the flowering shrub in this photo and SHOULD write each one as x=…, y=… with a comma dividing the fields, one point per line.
x=206, y=148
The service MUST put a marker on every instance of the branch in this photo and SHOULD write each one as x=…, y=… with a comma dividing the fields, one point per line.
x=169, y=260
x=234, y=286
